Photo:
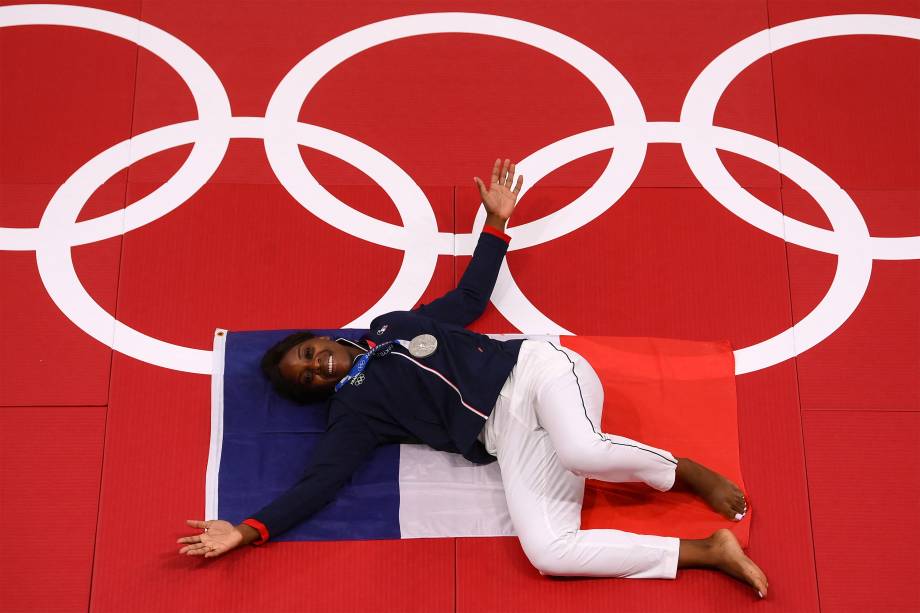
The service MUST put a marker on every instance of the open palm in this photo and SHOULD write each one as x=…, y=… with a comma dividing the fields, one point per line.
x=219, y=537
x=500, y=198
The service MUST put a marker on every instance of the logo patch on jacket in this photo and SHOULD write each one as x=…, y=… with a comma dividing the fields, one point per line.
x=382, y=329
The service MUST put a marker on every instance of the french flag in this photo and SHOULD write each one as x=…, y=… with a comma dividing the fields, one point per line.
x=673, y=394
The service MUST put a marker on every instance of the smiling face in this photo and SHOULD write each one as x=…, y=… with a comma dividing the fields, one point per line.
x=317, y=364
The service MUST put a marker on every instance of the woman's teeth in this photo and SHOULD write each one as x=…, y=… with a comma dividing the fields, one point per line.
x=329, y=364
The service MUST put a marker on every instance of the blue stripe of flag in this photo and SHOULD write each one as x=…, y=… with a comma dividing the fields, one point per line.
x=267, y=442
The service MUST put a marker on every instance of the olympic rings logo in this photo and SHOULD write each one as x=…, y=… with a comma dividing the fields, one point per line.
x=419, y=237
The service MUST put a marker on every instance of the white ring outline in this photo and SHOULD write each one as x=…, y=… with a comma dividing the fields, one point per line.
x=853, y=268
x=211, y=102
x=852, y=229
x=288, y=99
x=703, y=98
x=55, y=263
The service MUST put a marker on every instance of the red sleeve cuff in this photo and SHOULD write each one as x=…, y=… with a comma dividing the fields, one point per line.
x=495, y=232
x=263, y=531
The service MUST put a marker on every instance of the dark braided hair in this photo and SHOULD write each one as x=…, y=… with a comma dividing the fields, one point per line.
x=272, y=371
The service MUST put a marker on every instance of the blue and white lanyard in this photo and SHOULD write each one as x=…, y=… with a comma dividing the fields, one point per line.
x=361, y=363
x=421, y=346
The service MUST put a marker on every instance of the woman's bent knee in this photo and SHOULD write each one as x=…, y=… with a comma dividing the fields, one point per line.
x=549, y=565
x=549, y=557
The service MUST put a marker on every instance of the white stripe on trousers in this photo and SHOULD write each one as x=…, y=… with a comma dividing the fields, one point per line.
x=545, y=432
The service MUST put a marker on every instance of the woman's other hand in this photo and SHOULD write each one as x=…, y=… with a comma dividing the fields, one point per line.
x=500, y=198
x=218, y=537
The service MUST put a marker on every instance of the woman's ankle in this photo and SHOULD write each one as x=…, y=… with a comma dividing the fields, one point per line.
x=696, y=553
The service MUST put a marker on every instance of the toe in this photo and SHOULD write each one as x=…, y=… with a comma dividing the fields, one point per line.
x=759, y=581
x=737, y=507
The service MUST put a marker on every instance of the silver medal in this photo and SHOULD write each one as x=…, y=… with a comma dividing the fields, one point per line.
x=423, y=345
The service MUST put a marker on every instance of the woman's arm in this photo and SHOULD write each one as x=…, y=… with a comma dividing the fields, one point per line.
x=466, y=303
x=340, y=452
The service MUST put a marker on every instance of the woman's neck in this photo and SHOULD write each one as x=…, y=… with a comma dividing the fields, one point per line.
x=354, y=352
x=353, y=349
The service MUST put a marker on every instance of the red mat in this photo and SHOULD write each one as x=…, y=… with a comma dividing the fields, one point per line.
x=36, y=337
x=50, y=472
x=874, y=92
x=883, y=331
x=865, y=501
x=68, y=94
x=642, y=281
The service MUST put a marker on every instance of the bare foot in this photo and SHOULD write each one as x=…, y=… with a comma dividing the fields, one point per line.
x=728, y=557
x=721, y=551
x=722, y=495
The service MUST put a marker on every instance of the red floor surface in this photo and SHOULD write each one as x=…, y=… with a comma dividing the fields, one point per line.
x=50, y=461
x=104, y=452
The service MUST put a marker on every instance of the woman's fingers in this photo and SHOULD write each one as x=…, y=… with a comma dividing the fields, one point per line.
x=510, y=179
x=520, y=183
x=194, y=544
x=482, y=188
x=197, y=549
x=495, y=170
x=189, y=539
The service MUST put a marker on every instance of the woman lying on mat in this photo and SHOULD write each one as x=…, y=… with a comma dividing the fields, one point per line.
x=533, y=405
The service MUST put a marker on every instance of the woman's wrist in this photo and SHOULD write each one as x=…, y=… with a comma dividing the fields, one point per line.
x=496, y=222
x=250, y=534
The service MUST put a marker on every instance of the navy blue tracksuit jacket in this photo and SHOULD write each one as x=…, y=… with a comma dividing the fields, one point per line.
x=441, y=400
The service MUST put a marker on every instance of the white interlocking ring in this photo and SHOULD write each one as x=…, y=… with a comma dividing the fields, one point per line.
x=210, y=144
x=418, y=236
x=699, y=109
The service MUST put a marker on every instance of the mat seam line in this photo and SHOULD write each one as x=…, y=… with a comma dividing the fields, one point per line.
x=795, y=362
x=121, y=254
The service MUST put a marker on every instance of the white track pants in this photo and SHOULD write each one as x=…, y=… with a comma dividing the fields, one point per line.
x=545, y=432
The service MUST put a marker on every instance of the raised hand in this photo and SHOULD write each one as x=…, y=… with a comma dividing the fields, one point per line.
x=218, y=538
x=500, y=198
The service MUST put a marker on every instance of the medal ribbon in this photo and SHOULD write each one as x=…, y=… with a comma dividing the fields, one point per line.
x=361, y=363
x=381, y=350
